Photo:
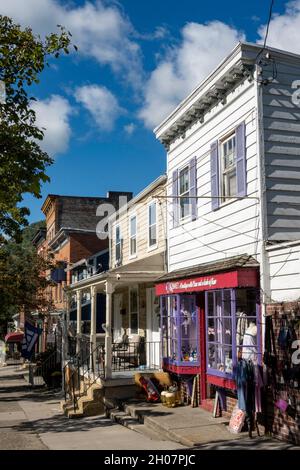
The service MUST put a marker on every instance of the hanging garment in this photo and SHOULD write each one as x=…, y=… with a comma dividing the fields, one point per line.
x=259, y=383
x=241, y=380
x=245, y=386
x=241, y=327
x=249, y=352
x=270, y=357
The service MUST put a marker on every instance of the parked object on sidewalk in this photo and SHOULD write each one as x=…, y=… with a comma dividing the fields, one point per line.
x=163, y=398
x=150, y=389
x=237, y=420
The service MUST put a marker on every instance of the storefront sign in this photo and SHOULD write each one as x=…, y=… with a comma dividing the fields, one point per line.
x=238, y=278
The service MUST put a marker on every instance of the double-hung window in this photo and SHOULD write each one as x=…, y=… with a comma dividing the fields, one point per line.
x=152, y=225
x=228, y=168
x=184, y=192
x=132, y=234
x=118, y=244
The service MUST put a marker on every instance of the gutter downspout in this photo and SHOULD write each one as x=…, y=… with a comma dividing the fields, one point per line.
x=263, y=234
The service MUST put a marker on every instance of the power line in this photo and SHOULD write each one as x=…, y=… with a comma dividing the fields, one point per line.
x=197, y=239
x=267, y=30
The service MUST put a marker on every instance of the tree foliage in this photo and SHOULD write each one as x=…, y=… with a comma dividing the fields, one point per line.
x=23, y=280
x=23, y=56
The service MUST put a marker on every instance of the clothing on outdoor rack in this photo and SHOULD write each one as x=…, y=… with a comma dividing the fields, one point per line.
x=245, y=386
x=259, y=384
x=270, y=358
x=250, y=343
x=286, y=335
x=241, y=327
x=222, y=399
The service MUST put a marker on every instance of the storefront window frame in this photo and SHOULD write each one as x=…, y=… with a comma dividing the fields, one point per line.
x=169, y=338
x=231, y=375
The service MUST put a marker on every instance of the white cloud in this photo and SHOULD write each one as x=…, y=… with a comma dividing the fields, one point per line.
x=202, y=47
x=101, y=103
x=53, y=115
x=130, y=128
x=100, y=31
x=284, y=30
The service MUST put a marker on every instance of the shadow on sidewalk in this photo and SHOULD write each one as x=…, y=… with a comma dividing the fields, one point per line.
x=59, y=423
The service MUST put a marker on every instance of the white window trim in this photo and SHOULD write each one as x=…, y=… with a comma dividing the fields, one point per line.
x=134, y=255
x=187, y=218
x=155, y=246
x=136, y=288
x=120, y=243
x=224, y=139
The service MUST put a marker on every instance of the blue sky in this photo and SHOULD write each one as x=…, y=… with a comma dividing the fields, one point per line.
x=136, y=61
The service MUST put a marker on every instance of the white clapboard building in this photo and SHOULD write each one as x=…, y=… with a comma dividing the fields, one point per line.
x=233, y=205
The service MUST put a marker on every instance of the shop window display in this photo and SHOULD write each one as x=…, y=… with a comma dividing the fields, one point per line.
x=179, y=325
x=232, y=333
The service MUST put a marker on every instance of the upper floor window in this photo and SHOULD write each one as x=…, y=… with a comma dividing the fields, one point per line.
x=228, y=165
x=184, y=192
x=118, y=244
x=132, y=236
x=152, y=225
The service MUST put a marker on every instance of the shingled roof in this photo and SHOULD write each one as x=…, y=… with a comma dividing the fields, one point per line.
x=227, y=264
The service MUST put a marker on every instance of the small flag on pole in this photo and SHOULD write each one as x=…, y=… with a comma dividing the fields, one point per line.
x=29, y=340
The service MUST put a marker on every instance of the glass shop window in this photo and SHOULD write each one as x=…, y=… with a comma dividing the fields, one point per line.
x=232, y=333
x=219, y=332
x=246, y=324
x=179, y=326
x=188, y=329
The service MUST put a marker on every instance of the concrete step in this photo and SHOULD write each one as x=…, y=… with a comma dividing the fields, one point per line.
x=148, y=432
x=134, y=422
x=75, y=414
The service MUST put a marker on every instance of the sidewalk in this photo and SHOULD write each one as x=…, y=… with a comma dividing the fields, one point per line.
x=193, y=427
x=32, y=420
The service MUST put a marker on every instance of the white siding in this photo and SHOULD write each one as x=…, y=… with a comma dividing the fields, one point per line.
x=284, y=268
x=233, y=229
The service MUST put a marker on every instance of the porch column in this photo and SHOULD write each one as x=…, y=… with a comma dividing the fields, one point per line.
x=66, y=323
x=93, y=325
x=78, y=330
x=108, y=337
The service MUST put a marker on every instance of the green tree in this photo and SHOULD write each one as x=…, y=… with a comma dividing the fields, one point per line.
x=23, y=56
x=23, y=283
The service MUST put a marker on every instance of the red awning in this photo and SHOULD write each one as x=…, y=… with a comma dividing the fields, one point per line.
x=15, y=337
x=237, y=278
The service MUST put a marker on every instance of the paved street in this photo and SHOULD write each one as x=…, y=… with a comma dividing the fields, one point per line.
x=32, y=420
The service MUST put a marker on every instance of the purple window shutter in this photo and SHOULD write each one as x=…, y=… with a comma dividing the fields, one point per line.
x=241, y=183
x=193, y=186
x=175, y=199
x=214, y=175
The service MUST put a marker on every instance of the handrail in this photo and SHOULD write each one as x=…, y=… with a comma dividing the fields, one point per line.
x=89, y=366
x=41, y=370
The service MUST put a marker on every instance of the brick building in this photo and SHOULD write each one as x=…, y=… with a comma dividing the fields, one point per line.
x=71, y=236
